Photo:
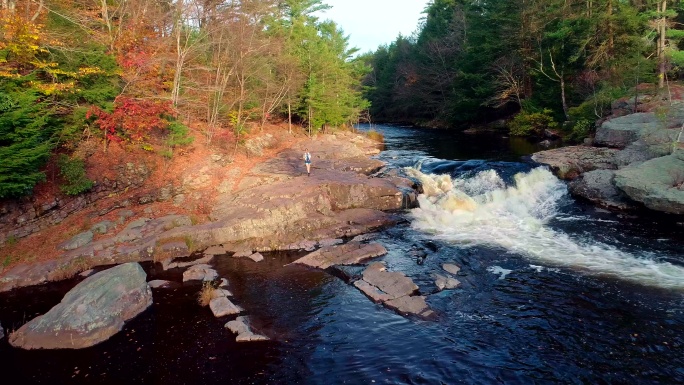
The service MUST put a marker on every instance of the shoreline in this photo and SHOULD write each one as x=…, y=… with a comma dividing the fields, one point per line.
x=273, y=206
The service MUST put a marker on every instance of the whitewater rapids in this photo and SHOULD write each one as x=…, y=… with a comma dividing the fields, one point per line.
x=483, y=210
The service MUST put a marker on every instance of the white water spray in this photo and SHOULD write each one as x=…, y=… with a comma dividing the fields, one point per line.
x=482, y=211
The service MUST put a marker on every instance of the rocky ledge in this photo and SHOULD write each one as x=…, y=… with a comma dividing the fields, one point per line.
x=276, y=206
x=640, y=165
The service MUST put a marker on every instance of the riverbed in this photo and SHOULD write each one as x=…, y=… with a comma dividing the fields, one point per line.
x=554, y=291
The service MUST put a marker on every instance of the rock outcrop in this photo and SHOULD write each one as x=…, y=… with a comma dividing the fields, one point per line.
x=570, y=162
x=392, y=289
x=90, y=313
x=643, y=167
x=598, y=187
x=273, y=207
x=657, y=183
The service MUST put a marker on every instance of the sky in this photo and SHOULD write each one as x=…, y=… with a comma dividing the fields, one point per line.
x=371, y=23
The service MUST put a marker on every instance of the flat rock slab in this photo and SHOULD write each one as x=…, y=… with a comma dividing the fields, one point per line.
x=415, y=305
x=372, y=292
x=240, y=326
x=215, y=250
x=162, y=284
x=102, y=227
x=348, y=254
x=77, y=241
x=451, y=268
x=222, y=307
x=393, y=289
x=218, y=293
x=200, y=272
x=394, y=283
x=91, y=312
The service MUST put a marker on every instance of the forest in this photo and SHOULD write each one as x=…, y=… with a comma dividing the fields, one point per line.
x=474, y=61
x=140, y=71
x=143, y=71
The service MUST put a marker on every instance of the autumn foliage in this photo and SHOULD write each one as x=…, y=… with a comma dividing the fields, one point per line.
x=132, y=119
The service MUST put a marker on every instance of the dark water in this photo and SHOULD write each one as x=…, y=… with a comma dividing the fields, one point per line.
x=540, y=324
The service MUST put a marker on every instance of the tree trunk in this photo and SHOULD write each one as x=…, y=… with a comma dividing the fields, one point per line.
x=662, y=27
x=563, y=99
x=289, y=117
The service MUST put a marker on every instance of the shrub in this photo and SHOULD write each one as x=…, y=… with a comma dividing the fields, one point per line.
x=579, y=131
x=532, y=124
x=178, y=135
x=73, y=172
x=376, y=136
x=205, y=295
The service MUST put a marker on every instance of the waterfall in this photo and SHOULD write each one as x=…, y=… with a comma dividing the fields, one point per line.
x=484, y=211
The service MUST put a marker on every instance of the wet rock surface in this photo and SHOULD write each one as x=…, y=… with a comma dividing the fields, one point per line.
x=221, y=307
x=348, y=254
x=393, y=289
x=90, y=313
x=570, y=162
x=598, y=187
x=241, y=327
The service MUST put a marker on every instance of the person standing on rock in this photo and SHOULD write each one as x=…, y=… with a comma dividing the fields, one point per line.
x=307, y=161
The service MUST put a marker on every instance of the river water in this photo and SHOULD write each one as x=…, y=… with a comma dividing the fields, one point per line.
x=553, y=291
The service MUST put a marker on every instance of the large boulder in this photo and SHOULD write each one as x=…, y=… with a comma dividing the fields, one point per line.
x=570, y=162
x=90, y=313
x=657, y=183
x=624, y=130
x=597, y=186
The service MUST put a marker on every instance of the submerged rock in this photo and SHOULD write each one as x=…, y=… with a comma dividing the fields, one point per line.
x=347, y=254
x=241, y=327
x=445, y=283
x=90, y=313
x=162, y=284
x=451, y=268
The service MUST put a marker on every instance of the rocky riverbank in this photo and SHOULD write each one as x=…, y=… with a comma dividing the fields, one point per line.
x=635, y=161
x=275, y=206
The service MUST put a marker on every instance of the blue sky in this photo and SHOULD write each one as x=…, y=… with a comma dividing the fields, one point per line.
x=370, y=23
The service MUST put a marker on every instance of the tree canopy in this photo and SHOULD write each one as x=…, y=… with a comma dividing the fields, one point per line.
x=477, y=61
x=132, y=70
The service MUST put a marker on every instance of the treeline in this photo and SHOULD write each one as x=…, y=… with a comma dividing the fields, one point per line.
x=134, y=70
x=475, y=61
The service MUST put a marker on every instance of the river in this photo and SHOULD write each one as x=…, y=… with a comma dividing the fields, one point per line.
x=554, y=291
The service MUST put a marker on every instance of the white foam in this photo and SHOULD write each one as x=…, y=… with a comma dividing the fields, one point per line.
x=500, y=271
x=482, y=210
